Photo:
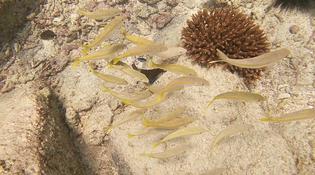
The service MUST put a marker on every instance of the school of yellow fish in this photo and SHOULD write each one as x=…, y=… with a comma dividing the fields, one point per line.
x=172, y=120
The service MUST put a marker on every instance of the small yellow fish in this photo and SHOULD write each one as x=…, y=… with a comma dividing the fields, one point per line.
x=171, y=52
x=181, y=133
x=100, y=14
x=256, y=62
x=238, y=95
x=229, y=132
x=180, y=83
x=129, y=71
x=173, y=123
x=157, y=99
x=168, y=153
x=132, y=116
x=108, y=78
x=105, y=32
x=298, y=115
x=125, y=97
x=175, y=68
x=170, y=120
x=107, y=52
x=140, y=50
x=140, y=133
x=170, y=115
x=137, y=39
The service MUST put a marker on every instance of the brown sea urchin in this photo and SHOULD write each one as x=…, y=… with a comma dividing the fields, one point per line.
x=228, y=30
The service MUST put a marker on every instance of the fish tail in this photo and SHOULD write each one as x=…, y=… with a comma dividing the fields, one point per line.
x=108, y=130
x=268, y=119
x=91, y=69
x=145, y=122
x=154, y=145
x=126, y=102
x=151, y=64
x=81, y=12
x=131, y=135
x=75, y=64
x=85, y=49
x=210, y=103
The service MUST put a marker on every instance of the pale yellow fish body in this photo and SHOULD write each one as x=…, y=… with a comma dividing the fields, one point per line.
x=100, y=14
x=104, y=53
x=110, y=78
x=180, y=83
x=168, y=153
x=157, y=99
x=175, y=68
x=107, y=52
x=132, y=116
x=229, y=132
x=238, y=95
x=173, y=123
x=125, y=97
x=169, y=120
x=140, y=50
x=106, y=31
x=170, y=115
x=298, y=115
x=256, y=62
x=171, y=52
x=181, y=133
x=140, y=133
x=129, y=71
x=138, y=40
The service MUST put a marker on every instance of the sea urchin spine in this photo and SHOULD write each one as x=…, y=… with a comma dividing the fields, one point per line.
x=228, y=30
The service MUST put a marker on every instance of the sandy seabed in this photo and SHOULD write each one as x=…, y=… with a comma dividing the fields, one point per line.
x=268, y=148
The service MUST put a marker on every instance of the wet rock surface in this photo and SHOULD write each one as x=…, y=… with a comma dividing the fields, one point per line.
x=34, y=137
x=14, y=16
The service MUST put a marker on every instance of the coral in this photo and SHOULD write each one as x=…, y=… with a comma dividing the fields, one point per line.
x=226, y=29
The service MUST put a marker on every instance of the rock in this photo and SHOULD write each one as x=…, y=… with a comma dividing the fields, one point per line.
x=162, y=19
x=121, y=1
x=11, y=24
x=313, y=151
x=294, y=29
x=172, y=3
x=144, y=11
x=150, y=2
x=189, y=4
x=33, y=137
x=284, y=96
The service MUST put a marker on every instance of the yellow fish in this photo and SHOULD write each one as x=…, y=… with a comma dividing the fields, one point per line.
x=256, y=62
x=238, y=95
x=168, y=153
x=100, y=14
x=298, y=115
x=180, y=83
x=129, y=71
x=107, y=52
x=175, y=68
x=106, y=31
x=181, y=133
x=132, y=116
x=108, y=78
x=125, y=97
x=140, y=50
